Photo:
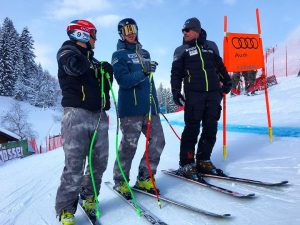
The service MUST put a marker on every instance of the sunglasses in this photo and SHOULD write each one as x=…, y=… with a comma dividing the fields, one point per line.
x=186, y=30
x=129, y=29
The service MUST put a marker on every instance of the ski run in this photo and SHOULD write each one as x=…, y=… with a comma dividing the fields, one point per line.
x=28, y=186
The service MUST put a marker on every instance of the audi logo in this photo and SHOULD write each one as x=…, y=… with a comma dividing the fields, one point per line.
x=244, y=43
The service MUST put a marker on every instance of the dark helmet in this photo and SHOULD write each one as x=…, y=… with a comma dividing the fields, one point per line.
x=81, y=30
x=127, y=26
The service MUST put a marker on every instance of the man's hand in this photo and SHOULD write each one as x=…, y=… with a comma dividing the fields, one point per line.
x=149, y=67
x=226, y=88
x=178, y=97
x=107, y=67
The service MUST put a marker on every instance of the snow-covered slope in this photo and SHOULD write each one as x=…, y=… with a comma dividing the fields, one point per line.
x=28, y=186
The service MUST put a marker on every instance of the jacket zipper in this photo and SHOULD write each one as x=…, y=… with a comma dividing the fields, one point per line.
x=83, y=94
x=134, y=95
x=205, y=73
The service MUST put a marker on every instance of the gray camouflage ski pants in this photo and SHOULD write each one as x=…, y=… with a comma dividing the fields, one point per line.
x=77, y=129
x=131, y=128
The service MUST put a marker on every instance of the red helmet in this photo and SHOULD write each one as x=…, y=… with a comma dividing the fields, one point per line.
x=81, y=30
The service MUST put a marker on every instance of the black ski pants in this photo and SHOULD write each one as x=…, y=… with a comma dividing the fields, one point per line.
x=200, y=107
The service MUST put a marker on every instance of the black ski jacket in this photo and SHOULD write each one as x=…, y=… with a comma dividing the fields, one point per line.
x=80, y=78
x=199, y=65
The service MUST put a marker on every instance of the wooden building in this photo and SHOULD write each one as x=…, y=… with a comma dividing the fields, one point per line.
x=6, y=136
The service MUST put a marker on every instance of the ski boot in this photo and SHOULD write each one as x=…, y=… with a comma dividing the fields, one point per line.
x=67, y=218
x=190, y=171
x=123, y=190
x=146, y=185
x=207, y=167
x=89, y=206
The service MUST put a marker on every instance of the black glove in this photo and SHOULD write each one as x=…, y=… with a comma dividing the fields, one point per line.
x=149, y=67
x=79, y=64
x=178, y=98
x=226, y=88
x=107, y=68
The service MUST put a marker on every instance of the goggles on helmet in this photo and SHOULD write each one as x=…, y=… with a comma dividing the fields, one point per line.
x=93, y=34
x=129, y=29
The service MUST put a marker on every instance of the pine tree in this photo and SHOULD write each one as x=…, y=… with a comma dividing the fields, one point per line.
x=22, y=87
x=11, y=62
x=45, y=89
x=35, y=84
x=47, y=96
x=171, y=106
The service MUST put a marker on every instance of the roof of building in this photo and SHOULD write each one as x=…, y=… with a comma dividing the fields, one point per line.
x=8, y=133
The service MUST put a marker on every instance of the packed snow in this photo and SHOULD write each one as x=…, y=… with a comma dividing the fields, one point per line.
x=28, y=186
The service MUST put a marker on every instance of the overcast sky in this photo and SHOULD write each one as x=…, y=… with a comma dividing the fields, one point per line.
x=159, y=22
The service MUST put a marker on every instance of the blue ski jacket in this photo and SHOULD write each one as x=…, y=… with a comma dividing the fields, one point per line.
x=134, y=84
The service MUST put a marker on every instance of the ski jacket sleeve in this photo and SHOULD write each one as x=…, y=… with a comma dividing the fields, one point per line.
x=213, y=46
x=177, y=71
x=107, y=89
x=72, y=61
x=220, y=67
x=126, y=79
x=224, y=76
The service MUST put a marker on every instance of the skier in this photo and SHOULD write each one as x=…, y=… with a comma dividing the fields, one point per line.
x=132, y=68
x=197, y=63
x=80, y=81
x=236, y=84
x=249, y=77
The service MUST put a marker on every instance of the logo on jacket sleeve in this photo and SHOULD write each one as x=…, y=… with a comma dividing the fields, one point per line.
x=114, y=61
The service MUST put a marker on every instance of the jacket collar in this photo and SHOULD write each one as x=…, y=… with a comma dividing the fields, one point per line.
x=83, y=50
x=125, y=45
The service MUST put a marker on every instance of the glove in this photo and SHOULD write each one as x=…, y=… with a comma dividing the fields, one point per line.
x=226, y=88
x=107, y=68
x=178, y=98
x=149, y=67
x=79, y=64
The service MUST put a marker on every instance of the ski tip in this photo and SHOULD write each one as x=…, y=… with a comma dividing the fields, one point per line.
x=251, y=195
x=226, y=215
x=284, y=182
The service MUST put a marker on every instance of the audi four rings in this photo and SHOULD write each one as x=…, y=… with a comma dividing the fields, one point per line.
x=244, y=43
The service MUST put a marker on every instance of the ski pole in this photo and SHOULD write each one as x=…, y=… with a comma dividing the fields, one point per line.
x=91, y=168
x=138, y=210
x=91, y=148
x=171, y=126
x=147, y=142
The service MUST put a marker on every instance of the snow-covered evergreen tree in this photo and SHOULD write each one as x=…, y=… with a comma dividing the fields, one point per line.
x=11, y=61
x=47, y=96
x=165, y=100
x=35, y=83
x=171, y=106
x=22, y=87
x=45, y=89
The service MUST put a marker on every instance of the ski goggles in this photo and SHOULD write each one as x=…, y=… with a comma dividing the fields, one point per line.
x=93, y=34
x=129, y=29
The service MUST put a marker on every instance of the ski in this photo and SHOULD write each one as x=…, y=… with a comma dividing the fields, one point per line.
x=210, y=186
x=248, y=181
x=92, y=218
x=181, y=204
x=150, y=217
